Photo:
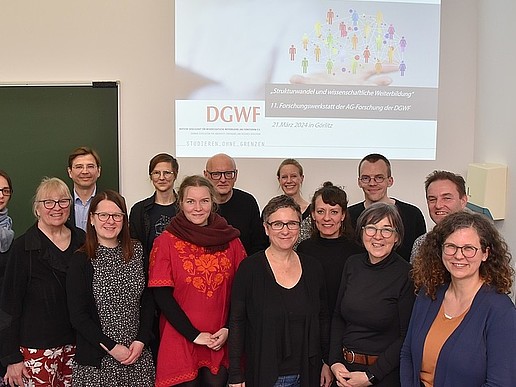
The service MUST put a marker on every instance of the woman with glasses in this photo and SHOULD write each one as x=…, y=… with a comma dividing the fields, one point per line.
x=151, y=216
x=37, y=345
x=373, y=306
x=192, y=266
x=6, y=233
x=463, y=328
x=110, y=306
x=279, y=322
x=290, y=178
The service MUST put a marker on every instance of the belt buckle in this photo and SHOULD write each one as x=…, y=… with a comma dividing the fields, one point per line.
x=352, y=356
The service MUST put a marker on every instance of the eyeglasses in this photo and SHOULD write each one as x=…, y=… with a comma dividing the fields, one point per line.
x=166, y=174
x=80, y=167
x=218, y=175
x=367, y=179
x=6, y=191
x=104, y=216
x=292, y=225
x=385, y=232
x=50, y=204
x=467, y=251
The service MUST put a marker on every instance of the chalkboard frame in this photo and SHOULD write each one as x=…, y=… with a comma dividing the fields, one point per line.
x=40, y=125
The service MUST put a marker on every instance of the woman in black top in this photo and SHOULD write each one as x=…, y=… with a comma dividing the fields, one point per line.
x=37, y=345
x=373, y=305
x=333, y=238
x=279, y=318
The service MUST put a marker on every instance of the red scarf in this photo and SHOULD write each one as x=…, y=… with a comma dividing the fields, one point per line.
x=215, y=236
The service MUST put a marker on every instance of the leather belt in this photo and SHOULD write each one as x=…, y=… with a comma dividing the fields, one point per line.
x=358, y=358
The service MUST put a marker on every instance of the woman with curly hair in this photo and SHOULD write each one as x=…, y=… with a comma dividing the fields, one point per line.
x=463, y=327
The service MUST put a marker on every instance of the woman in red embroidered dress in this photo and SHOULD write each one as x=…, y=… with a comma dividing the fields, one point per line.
x=192, y=265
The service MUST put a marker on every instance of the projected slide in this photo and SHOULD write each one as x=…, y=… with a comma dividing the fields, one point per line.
x=307, y=78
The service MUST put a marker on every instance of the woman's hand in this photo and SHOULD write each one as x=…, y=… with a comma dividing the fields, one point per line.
x=219, y=339
x=339, y=370
x=326, y=376
x=15, y=374
x=204, y=338
x=136, y=349
x=120, y=352
x=237, y=385
x=352, y=379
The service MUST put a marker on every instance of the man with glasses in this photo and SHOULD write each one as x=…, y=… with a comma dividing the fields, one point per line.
x=84, y=170
x=238, y=207
x=374, y=177
x=445, y=194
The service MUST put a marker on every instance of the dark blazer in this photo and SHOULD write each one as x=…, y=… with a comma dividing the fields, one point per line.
x=480, y=352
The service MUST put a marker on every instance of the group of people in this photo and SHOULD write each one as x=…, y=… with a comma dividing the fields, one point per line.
x=196, y=288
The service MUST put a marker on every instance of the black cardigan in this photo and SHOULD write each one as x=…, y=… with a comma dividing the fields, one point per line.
x=84, y=315
x=256, y=332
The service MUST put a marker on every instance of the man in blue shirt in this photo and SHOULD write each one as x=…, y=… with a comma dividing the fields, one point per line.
x=84, y=170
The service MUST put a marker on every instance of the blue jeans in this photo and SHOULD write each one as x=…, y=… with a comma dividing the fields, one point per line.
x=288, y=381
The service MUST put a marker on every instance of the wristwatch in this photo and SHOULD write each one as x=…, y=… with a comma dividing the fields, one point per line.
x=372, y=379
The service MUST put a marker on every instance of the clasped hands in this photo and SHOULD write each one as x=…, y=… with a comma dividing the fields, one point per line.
x=213, y=341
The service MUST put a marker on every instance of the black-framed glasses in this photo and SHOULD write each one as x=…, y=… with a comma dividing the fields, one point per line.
x=467, y=251
x=385, y=232
x=6, y=191
x=377, y=178
x=88, y=167
x=166, y=174
x=104, y=216
x=218, y=175
x=278, y=225
x=50, y=204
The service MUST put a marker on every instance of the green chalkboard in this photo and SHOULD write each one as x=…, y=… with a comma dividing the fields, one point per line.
x=41, y=125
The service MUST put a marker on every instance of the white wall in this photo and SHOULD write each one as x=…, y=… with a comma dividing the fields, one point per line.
x=495, y=133
x=132, y=41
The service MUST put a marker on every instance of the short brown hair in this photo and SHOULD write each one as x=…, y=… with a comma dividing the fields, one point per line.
x=375, y=213
x=458, y=180
x=164, y=158
x=373, y=158
x=83, y=151
x=277, y=202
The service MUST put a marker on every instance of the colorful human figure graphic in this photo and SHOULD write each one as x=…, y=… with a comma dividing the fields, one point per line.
x=379, y=42
x=317, y=52
x=304, y=65
x=329, y=16
x=305, y=41
x=378, y=67
x=403, y=44
x=317, y=29
x=402, y=68
x=354, y=17
x=337, y=38
x=366, y=54
x=354, y=64
x=354, y=41
x=329, y=66
x=390, y=54
x=292, y=52
x=391, y=31
x=343, y=29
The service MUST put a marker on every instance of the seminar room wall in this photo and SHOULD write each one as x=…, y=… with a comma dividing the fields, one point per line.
x=133, y=41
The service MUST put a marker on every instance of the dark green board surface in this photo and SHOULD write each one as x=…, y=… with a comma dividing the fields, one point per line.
x=41, y=125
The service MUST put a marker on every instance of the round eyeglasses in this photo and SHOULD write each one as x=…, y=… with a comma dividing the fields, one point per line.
x=6, y=191
x=385, y=232
x=467, y=251
x=166, y=174
x=367, y=179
